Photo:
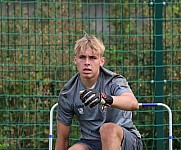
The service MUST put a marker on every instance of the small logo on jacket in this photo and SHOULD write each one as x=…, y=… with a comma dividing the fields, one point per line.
x=80, y=109
x=103, y=108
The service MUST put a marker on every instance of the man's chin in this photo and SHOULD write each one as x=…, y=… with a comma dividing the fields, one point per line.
x=87, y=76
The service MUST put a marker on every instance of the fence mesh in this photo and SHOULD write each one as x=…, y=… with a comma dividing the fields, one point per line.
x=142, y=40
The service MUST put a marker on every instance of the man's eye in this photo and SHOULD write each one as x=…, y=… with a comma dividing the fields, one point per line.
x=82, y=57
x=93, y=57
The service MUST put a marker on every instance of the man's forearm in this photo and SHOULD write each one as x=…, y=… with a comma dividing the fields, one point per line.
x=62, y=144
x=125, y=101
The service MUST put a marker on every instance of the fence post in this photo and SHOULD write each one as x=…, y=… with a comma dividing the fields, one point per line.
x=158, y=50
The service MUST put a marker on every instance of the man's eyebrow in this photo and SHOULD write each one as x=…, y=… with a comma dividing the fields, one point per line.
x=82, y=56
x=93, y=56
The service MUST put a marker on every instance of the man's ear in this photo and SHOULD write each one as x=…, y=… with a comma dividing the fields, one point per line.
x=102, y=61
x=75, y=60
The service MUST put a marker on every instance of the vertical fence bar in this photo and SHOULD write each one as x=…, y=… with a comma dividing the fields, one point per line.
x=158, y=47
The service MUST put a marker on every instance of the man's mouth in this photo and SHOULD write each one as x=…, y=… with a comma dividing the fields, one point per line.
x=86, y=70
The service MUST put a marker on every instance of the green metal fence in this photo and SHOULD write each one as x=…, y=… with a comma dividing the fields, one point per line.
x=142, y=40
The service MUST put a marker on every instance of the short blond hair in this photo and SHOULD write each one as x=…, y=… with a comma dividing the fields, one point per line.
x=93, y=42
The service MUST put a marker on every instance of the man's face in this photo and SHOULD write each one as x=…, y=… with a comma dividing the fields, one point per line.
x=88, y=63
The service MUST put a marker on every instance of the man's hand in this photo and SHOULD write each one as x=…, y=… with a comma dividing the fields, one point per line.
x=92, y=97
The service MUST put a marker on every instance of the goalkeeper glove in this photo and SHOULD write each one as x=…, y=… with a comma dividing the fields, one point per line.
x=92, y=97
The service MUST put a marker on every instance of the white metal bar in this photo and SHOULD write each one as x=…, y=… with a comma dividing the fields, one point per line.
x=170, y=119
x=140, y=104
x=51, y=126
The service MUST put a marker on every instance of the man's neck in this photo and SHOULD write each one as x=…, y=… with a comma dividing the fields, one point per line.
x=89, y=83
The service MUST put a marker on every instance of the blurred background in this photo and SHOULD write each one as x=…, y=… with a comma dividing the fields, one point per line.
x=143, y=43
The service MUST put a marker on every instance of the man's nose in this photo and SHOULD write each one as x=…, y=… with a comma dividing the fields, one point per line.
x=87, y=61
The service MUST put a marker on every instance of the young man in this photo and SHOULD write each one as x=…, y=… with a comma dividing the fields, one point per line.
x=101, y=100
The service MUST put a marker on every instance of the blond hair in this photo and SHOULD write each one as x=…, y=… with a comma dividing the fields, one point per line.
x=93, y=42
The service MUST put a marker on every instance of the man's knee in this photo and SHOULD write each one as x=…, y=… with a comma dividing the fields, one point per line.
x=111, y=131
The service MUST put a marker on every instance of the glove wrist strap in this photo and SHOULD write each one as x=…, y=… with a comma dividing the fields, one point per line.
x=107, y=98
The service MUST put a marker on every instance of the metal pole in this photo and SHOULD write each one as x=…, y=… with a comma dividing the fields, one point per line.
x=51, y=126
x=170, y=119
x=140, y=104
x=158, y=50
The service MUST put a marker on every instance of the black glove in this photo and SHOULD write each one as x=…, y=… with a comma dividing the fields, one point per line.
x=92, y=97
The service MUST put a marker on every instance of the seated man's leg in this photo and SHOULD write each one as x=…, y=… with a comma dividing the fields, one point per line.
x=111, y=136
x=84, y=144
x=78, y=147
x=117, y=138
x=131, y=141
